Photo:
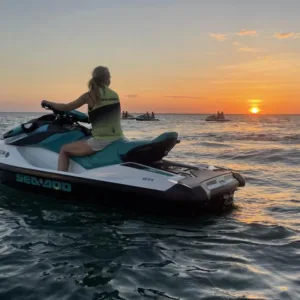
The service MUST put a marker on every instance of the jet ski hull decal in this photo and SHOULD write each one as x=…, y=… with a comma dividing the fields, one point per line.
x=45, y=183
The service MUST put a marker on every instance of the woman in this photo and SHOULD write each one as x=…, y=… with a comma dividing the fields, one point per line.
x=104, y=113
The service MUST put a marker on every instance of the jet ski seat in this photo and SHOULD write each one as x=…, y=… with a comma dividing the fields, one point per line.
x=124, y=150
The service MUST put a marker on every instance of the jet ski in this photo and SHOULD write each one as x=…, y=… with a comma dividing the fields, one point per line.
x=214, y=118
x=127, y=172
x=146, y=117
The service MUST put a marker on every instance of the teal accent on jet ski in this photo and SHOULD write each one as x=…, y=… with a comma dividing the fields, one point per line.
x=19, y=130
x=110, y=155
x=79, y=116
x=56, y=141
x=41, y=129
x=15, y=131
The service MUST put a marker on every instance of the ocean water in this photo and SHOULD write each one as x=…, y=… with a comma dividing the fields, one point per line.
x=60, y=250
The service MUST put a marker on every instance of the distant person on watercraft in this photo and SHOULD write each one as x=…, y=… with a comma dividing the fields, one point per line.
x=104, y=114
x=153, y=116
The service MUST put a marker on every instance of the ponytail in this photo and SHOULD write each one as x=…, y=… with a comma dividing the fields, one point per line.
x=100, y=77
x=94, y=90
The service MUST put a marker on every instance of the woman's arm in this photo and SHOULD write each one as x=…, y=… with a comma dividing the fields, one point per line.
x=83, y=99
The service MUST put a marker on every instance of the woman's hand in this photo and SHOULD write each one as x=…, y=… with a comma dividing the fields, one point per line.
x=46, y=103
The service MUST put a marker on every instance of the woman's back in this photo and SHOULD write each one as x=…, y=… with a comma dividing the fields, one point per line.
x=105, y=116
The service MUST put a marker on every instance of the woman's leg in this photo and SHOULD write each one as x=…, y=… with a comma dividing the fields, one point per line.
x=80, y=148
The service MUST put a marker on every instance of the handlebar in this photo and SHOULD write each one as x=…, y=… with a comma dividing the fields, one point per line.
x=70, y=116
x=48, y=106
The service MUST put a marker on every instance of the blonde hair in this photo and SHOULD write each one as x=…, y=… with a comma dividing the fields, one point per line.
x=100, y=77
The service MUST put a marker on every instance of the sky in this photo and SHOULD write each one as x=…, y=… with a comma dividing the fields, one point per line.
x=175, y=56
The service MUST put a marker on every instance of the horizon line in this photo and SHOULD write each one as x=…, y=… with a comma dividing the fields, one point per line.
x=170, y=113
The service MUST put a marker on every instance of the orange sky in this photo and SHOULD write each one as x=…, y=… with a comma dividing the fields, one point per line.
x=188, y=59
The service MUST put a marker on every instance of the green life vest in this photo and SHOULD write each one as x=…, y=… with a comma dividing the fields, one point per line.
x=105, y=116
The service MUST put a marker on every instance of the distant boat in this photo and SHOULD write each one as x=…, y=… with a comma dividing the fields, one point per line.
x=146, y=117
x=217, y=118
x=130, y=117
x=127, y=116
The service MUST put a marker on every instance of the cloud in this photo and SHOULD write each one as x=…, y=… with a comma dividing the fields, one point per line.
x=250, y=50
x=131, y=96
x=284, y=35
x=242, y=48
x=223, y=36
x=183, y=97
x=246, y=32
x=219, y=36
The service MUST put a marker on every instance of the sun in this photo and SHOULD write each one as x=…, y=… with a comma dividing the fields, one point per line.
x=254, y=110
x=253, y=105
